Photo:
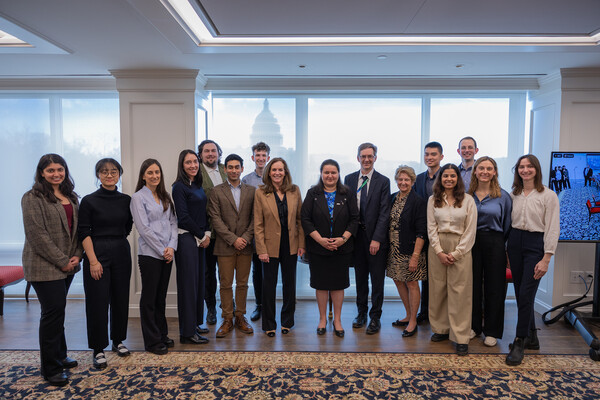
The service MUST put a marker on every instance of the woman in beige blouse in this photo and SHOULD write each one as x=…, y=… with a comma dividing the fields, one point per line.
x=451, y=226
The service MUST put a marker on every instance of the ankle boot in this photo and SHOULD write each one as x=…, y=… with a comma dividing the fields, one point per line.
x=515, y=357
x=532, y=342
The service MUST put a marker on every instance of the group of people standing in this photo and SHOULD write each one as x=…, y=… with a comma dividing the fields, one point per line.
x=449, y=228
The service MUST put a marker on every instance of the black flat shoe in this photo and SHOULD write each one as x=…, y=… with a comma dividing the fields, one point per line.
x=321, y=331
x=410, y=333
x=359, y=321
x=462, y=349
x=285, y=331
x=201, y=331
x=255, y=316
x=211, y=316
x=59, y=379
x=439, y=337
x=373, y=327
x=270, y=333
x=397, y=323
x=99, y=360
x=169, y=342
x=194, y=339
x=69, y=362
x=121, y=350
x=159, y=349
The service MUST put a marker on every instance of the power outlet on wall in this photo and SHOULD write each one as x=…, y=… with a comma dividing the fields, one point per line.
x=579, y=276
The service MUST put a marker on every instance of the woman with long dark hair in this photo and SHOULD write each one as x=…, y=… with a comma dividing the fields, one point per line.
x=330, y=219
x=194, y=236
x=104, y=224
x=494, y=207
x=531, y=243
x=451, y=226
x=279, y=240
x=154, y=217
x=51, y=256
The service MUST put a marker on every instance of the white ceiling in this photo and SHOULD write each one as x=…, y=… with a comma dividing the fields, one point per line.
x=93, y=37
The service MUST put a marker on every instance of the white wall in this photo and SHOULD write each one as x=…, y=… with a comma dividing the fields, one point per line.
x=565, y=116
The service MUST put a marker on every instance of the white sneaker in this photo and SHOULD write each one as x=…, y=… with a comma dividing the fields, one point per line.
x=472, y=334
x=490, y=341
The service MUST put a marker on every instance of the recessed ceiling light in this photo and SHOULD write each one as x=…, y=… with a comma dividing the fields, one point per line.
x=301, y=66
x=459, y=66
x=382, y=57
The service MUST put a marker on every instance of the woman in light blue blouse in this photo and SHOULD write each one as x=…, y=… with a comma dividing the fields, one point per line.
x=154, y=218
x=494, y=206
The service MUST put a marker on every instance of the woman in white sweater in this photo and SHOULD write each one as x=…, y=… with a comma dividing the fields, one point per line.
x=451, y=226
x=531, y=243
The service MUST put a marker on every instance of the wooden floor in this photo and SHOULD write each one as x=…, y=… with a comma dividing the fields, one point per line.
x=19, y=330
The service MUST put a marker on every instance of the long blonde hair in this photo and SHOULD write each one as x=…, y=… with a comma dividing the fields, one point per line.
x=495, y=191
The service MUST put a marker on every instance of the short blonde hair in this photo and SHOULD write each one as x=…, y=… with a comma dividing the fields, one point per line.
x=408, y=171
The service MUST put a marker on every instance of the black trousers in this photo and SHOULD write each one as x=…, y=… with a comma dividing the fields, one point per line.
x=525, y=249
x=257, y=278
x=155, y=276
x=190, y=261
x=210, y=276
x=109, y=294
x=269, y=287
x=365, y=266
x=489, y=283
x=52, y=296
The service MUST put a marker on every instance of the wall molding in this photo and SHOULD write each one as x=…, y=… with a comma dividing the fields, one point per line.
x=100, y=83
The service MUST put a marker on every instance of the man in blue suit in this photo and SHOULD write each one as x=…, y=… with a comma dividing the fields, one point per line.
x=433, y=155
x=370, y=249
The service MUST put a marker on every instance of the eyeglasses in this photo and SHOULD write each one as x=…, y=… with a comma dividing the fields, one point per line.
x=112, y=172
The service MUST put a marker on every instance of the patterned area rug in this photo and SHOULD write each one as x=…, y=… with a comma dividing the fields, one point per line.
x=280, y=375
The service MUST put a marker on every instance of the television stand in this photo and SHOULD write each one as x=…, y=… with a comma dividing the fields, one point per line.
x=581, y=321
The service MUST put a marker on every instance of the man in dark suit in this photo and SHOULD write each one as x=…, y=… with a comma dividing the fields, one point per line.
x=213, y=174
x=370, y=249
x=230, y=207
x=432, y=155
x=587, y=175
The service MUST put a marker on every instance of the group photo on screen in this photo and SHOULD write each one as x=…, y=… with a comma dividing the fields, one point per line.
x=575, y=177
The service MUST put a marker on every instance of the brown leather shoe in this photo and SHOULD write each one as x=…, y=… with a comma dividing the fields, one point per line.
x=242, y=324
x=225, y=328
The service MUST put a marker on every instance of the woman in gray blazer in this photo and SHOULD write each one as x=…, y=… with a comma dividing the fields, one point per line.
x=51, y=256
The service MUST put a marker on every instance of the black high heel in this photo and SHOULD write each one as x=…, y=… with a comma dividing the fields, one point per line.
x=270, y=333
x=321, y=331
x=339, y=333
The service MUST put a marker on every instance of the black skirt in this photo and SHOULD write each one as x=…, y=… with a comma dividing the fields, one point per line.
x=330, y=272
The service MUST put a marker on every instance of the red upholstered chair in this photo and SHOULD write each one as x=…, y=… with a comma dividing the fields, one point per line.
x=9, y=275
x=592, y=208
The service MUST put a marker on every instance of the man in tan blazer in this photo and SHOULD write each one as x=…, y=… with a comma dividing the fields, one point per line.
x=230, y=207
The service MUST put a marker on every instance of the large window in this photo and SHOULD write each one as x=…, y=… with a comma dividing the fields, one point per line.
x=81, y=128
x=305, y=129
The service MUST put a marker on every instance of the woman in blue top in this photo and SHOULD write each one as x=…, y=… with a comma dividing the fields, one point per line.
x=494, y=206
x=194, y=236
x=154, y=218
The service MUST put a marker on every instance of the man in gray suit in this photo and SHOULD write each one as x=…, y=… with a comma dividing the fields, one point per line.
x=230, y=207
x=370, y=248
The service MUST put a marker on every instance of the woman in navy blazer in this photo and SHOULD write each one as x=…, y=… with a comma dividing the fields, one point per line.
x=406, y=260
x=51, y=256
x=330, y=220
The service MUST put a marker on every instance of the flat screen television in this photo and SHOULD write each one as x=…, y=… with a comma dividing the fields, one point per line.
x=575, y=177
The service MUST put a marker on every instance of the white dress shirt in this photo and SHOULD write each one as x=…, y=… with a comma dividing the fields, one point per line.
x=538, y=212
x=449, y=219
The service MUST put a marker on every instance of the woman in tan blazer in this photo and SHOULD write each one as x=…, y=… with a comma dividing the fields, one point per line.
x=279, y=239
x=51, y=256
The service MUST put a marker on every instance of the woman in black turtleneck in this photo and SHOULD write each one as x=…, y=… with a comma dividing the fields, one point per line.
x=104, y=224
